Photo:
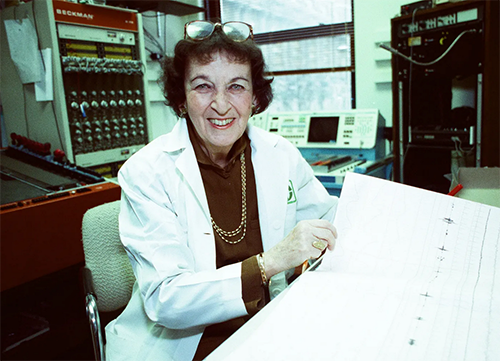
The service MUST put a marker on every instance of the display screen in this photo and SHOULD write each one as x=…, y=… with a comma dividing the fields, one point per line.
x=323, y=129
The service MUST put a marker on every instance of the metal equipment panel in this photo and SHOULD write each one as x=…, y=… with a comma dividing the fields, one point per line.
x=98, y=115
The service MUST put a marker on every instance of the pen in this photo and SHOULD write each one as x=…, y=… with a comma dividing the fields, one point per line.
x=455, y=190
x=306, y=266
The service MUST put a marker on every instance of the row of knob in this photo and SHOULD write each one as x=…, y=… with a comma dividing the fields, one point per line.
x=104, y=104
x=107, y=129
x=109, y=137
x=104, y=93
x=104, y=101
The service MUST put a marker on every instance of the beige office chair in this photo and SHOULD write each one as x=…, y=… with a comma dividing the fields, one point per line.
x=107, y=276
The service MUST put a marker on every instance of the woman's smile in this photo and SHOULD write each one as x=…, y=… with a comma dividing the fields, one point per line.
x=220, y=122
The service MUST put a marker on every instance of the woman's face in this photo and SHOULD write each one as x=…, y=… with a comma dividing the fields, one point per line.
x=219, y=99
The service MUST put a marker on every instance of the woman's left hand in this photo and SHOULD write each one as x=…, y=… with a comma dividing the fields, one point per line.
x=307, y=240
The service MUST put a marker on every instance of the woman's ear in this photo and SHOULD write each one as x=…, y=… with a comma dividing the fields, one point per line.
x=183, y=110
x=254, y=106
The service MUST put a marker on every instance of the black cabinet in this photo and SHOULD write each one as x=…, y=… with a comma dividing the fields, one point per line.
x=445, y=91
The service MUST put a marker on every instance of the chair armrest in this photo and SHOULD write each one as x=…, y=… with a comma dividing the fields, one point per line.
x=93, y=314
x=88, y=282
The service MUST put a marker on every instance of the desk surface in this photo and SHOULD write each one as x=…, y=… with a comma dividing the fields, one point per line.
x=39, y=238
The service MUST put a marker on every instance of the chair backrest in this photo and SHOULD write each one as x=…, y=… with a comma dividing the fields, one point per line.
x=105, y=256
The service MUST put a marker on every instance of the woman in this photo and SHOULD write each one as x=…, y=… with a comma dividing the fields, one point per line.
x=216, y=211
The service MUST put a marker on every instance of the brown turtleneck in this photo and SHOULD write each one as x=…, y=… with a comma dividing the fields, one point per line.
x=223, y=190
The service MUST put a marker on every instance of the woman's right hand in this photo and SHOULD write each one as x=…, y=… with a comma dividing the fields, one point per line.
x=298, y=246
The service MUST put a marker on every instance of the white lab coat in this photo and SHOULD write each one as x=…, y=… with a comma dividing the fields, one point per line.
x=166, y=229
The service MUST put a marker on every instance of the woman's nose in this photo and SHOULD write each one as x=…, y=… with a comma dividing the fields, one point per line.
x=220, y=103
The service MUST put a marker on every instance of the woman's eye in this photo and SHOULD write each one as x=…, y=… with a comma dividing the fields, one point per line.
x=236, y=87
x=203, y=87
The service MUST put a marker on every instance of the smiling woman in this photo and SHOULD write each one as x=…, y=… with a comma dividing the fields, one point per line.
x=206, y=216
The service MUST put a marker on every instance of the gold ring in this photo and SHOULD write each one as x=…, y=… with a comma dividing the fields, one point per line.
x=319, y=245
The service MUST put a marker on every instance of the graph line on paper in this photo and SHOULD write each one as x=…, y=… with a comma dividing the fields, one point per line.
x=478, y=278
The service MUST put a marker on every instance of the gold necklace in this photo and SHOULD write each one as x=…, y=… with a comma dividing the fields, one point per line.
x=243, y=224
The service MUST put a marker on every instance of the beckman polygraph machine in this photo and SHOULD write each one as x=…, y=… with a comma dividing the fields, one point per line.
x=98, y=114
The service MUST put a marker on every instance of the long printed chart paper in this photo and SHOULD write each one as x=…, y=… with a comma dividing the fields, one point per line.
x=415, y=276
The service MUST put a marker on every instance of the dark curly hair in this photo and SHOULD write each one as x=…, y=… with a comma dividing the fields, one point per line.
x=174, y=68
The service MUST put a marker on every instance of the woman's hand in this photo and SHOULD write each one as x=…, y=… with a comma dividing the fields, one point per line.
x=307, y=240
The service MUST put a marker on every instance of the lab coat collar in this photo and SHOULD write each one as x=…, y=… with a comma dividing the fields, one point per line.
x=178, y=138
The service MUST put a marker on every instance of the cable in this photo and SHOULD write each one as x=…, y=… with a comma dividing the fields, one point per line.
x=153, y=40
x=394, y=51
x=460, y=155
x=148, y=49
x=410, y=78
x=26, y=114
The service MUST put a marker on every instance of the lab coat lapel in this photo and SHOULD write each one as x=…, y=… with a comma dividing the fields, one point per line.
x=200, y=233
x=178, y=142
x=188, y=166
x=272, y=185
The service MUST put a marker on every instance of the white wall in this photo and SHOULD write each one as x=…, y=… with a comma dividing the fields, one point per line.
x=162, y=118
x=372, y=25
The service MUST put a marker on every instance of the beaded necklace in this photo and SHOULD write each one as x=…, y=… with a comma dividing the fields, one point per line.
x=242, y=228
